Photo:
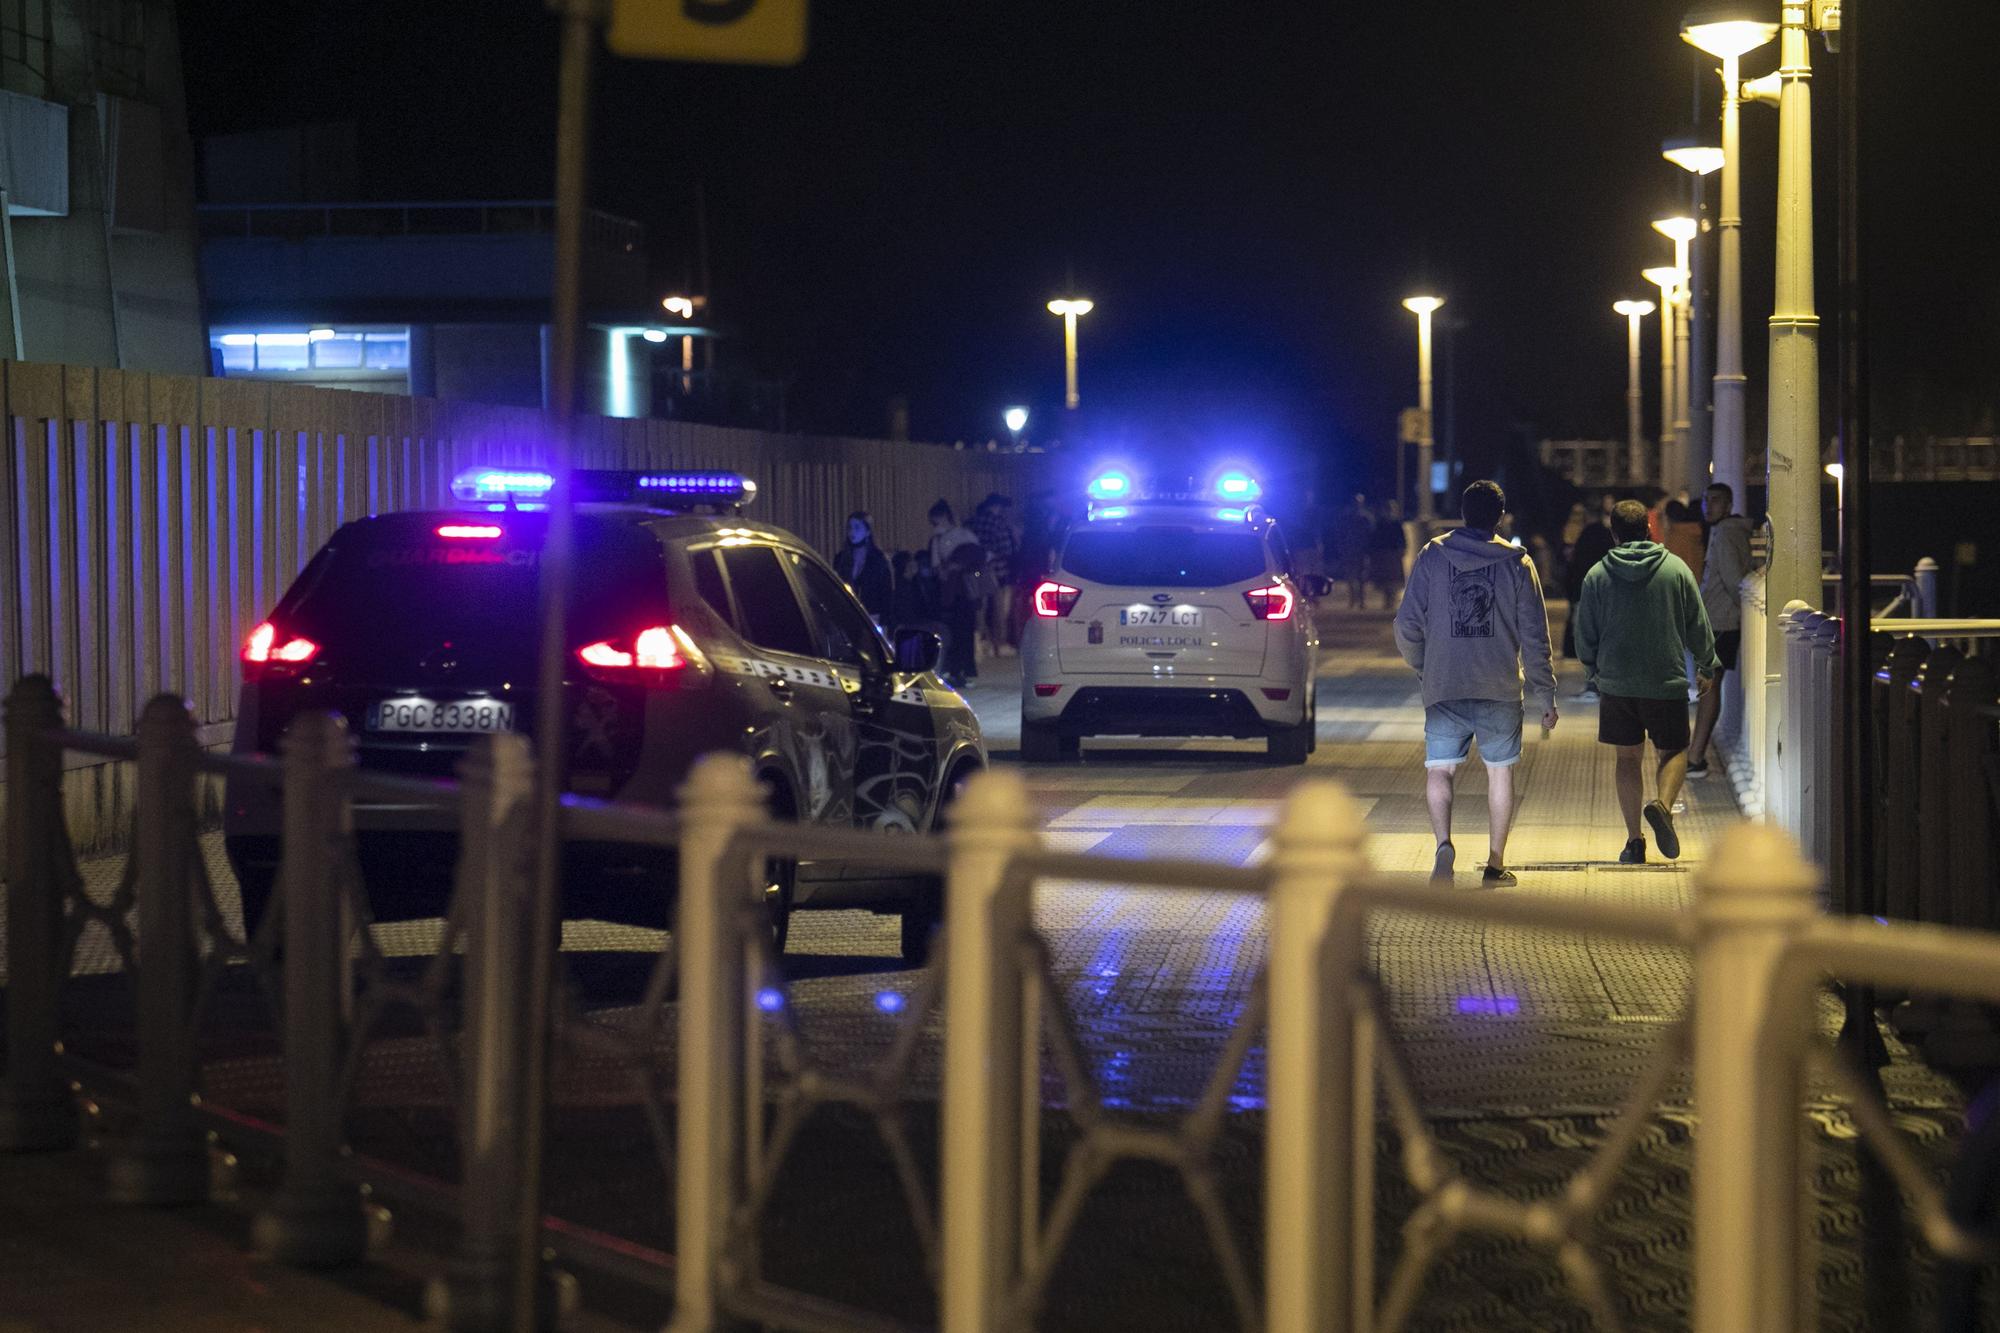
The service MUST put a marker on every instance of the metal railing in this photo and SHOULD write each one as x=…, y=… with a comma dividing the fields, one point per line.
x=1760, y=948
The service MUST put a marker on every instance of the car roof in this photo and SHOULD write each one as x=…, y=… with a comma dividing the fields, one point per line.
x=668, y=523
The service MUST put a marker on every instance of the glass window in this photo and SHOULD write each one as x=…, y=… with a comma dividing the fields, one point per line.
x=239, y=351
x=771, y=615
x=387, y=351
x=1163, y=557
x=846, y=633
x=340, y=352
x=282, y=351
x=708, y=582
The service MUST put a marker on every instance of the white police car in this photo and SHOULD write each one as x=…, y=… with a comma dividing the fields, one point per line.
x=1171, y=611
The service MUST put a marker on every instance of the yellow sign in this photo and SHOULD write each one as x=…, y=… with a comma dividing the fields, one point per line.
x=730, y=32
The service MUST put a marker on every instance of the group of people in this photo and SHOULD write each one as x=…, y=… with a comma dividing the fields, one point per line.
x=1363, y=547
x=969, y=584
x=1474, y=624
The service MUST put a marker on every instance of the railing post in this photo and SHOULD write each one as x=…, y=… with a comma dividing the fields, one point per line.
x=166, y=1160
x=984, y=1073
x=495, y=860
x=1751, y=898
x=719, y=799
x=1753, y=682
x=316, y=1220
x=1320, y=1140
x=1826, y=758
x=36, y=1111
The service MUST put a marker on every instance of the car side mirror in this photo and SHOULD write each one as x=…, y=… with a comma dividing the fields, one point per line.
x=1317, y=586
x=917, y=650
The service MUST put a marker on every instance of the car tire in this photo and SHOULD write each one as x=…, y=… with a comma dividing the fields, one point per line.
x=1291, y=745
x=1312, y=723
x=1041, y=743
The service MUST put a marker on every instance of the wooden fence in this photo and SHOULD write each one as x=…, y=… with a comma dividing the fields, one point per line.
x=147, y=522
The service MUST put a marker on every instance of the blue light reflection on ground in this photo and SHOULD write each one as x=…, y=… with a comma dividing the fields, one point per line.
x=1489, y=1004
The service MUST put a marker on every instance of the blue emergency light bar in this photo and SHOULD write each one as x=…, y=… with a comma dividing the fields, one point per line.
x=489, y=485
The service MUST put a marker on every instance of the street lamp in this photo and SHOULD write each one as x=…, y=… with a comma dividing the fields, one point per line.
x=684, y=306
x=1681, y=231
x=1423, y=307
x=1729, y=38
x=1069, y=308
x=1016, y=418
x=1699, y=160
x=1668, y=279
x=1635, y=313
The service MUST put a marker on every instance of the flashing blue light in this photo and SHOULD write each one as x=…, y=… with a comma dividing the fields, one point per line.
x=1112, y=485
x=481, y=484
x=1232, y=515
x=890, y=1002
x=770, y=999
x=1115, y=511
x=694, y=483
x=1489, y=1004
x=1237, y=486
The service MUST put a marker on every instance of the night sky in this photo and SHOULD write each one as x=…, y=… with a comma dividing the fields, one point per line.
x=1246, y=190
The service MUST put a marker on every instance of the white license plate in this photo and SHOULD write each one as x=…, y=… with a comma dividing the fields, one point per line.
x=1177, y=617
x=449, y=715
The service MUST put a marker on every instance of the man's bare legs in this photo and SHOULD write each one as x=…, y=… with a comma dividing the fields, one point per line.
x=1438, y=785
x=1631, y=787
x=1499, y=812
x=1673, y=773
x=1706, y=713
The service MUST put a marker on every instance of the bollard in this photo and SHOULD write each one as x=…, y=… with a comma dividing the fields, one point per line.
x=718, y=801
x=1969, y=814
x=1751, y=899
x=316, y=1219
x=1925, y=580
x=986, y=1096
x=1320, y=1143
x=36, y=1111
x=166, y=1160
x=495, y=867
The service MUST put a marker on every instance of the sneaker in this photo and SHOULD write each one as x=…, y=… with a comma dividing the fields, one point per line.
x=1698, y=771
x=1497, y=877
x=1634, y=853
x=1664, y=837
x=1446, y=855
x=1587, y=695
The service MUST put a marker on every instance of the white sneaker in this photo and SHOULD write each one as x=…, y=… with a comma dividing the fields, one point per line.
x=1587, y=696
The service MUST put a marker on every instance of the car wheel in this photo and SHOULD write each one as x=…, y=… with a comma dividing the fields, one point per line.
x=1041, y=743
x=1312, y=723
x=1292, y=745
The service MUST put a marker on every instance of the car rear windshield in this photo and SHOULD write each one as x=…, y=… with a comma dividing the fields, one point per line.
x=1164, y=557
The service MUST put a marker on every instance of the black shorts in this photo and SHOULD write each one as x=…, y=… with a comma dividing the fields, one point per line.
x=1726, y=644
x=1624, y=720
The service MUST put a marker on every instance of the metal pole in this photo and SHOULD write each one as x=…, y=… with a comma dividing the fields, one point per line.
x=580, y=19
x=1069, y=360
x=1668, y=381
x=1675, y=475
x=1635, y=399
x=1426, y=496
x=36, y=1111
x=1698, y=444
x=1729, y=378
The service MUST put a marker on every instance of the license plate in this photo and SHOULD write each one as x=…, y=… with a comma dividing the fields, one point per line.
x=449, y=715
x=1179, y=617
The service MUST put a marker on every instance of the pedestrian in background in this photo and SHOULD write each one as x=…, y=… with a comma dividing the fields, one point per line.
x=1725, y=566
x=1475, y=627
x=1593, y=543
x=1639, y=620
x=958, y=562
x=1351, y=533
x=1685, y=536
x=993, y=524
x=1386, y=548
x=865, y=568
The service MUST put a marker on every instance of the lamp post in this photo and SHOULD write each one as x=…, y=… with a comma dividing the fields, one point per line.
x=1423, y=307
x=1069, y=307
x=1699, y=160
x=1729, y=39
x=1681, y=231
x=1017, y=420
x=1635, y=313
x=684, y=307
x=1668, y=279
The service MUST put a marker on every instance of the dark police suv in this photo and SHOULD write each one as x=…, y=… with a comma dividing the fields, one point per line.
x=694, y=630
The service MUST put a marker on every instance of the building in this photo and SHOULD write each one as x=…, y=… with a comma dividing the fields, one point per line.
x=97, y=175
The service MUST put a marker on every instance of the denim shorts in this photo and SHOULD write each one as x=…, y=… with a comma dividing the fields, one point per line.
x=1450, y=726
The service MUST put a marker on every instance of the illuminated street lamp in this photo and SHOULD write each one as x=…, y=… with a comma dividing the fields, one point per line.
x=1016, y=419
x=1729, y=38
x=684, y=306
x=1423, y=307
x=1069, y=307
x=1699, y=160
x=1635, y=313
x=1681, y=231
x=1668, y=279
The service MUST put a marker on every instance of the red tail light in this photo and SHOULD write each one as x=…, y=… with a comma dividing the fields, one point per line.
x=266, y=647
x=1272, y=602
x=654, y=649
x=1053, y=600
x=469, y=531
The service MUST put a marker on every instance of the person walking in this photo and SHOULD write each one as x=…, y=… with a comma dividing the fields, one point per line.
x=1593, y=543
x=1386, y=548
x=1473, y=624
x=959, y=562
x=1722, y=574
x=993, y=524
x=865, y=568
x=1347, y=540
x=1639, y=620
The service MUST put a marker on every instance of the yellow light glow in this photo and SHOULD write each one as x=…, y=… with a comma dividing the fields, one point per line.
x=1836, y=471
x=1665, y=277
x=1630, y=308
x=1071, y=306
x=1729, y=37
x=1698, y=158
x=1677, y=228
x=678, y=305
x=1422, y=305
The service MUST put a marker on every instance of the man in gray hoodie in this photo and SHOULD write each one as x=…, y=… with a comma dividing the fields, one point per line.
x=1722, y=575
x=1638, y=621
x=1471, y=620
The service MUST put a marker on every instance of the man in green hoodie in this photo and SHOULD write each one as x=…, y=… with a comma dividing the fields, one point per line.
x=1638, y=620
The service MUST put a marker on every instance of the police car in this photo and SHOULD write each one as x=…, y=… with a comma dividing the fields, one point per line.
x=694, y=630
x=1171, y=611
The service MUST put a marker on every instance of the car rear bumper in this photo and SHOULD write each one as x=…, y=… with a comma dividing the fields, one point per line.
x=1115, y=707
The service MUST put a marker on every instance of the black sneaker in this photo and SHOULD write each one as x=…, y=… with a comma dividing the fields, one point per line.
x=1446, y=856
x=1664, y=837
x=1497, y=877
x=1634, y=853
x=1698, y=770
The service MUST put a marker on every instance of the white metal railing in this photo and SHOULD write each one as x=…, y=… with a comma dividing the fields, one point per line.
x=1761, y=949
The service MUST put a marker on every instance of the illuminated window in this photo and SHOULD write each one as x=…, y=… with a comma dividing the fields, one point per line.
x=304, y=351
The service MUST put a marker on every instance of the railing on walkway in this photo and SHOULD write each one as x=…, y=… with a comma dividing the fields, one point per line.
x=1760, y=947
